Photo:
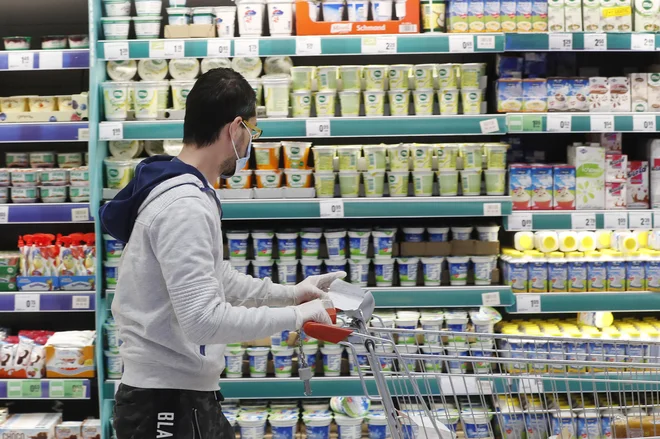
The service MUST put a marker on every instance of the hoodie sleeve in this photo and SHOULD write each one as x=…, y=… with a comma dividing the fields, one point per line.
x=182, y=239
x=243, y=290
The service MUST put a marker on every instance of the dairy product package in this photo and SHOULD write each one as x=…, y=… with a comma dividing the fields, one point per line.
x=599, y=94
x=563, y=192
x=608, y=20
x=653, y=92
x=458, y=16
x=573, y=15
x=508, y=15
x=520, y=186
x=624, y=20
x=476, y=15
x=542, y=187
x=578, y=92
x=619, y=93
x=509, y=95
x=492, y=20
x=615, y=195
x=638, y=92
x=524, y=15
x=558, y=91
x=69, y=430
x=556, y=21
x=638, y=185
x=645, y=15
x=535, y=95
x=539, y=15
x=653, y=153
x=591, y=15
x=610, y=141
x=616, y=168
x=26, y=425
x=589, y=162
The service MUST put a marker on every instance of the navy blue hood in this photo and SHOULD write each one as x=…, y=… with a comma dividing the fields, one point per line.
x=119, y=215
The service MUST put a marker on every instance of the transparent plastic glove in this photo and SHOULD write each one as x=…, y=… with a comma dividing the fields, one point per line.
x=315, y=287
x=312, y=311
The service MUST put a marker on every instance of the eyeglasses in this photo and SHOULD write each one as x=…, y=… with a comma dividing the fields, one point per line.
x=255, y=132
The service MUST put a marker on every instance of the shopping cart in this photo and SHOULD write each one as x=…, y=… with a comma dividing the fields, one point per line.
x=484, y=385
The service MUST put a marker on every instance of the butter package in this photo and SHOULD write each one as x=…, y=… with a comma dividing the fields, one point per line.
x=599, y=94
x=458, y=16
x=646, y=15
x=578, y=92
x=619, y=93
x=520, y=186
x=542, y=187
x=638, y=92
x=558, y=90
x=573, y=15
x=589, y=162
x=535, y=95
x=616, y=168
x=539, y=15
x=653, y=92
x=508, y=15
x=563, y=190
x=591, y=15
x=476, y=16
x=608, y=15
x=556, y=21
x=624, y=18
x=524, y=15
x=638, y=185
x=615, y=196
x=492, y=19
x=509, y=95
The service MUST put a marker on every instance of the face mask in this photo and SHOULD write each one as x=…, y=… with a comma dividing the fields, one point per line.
x=241, y=162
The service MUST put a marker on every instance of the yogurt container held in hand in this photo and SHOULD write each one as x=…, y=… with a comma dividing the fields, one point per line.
x=407, y=271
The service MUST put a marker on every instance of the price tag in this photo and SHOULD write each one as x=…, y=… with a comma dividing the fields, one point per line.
x=595, y=42
x=643, y=42
x=308, y=46
x=602, y=123
x=20, y=61
x=246, y=47
x=317, y=127
x=560, y=41
x=520, y=222
x=528, y=303
x=56, y=389
x=218, y=48
x=530, y=385
x=640, y=220
x=80, y=214
x=83, y=134
x=26, y=302
x=559, y=123
x=461, y=43
x=24, y=389
x=644, y=122
x=616, y=220
x=489, y=126
x=113, y=51
x=583, y=221
x=80, y=302
x=75, y=389
x=492, y=209
x=51, y=60
x=486, y=387
x=166, y=49
x=4, y=214
x=485, y=42
x=111, y=131
x=386, y=44
x=331, y=208
x=490, y=299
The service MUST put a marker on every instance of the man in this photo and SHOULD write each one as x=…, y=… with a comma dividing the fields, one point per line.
x=177, y=303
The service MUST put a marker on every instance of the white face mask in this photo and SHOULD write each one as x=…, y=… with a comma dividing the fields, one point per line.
x=241, y=162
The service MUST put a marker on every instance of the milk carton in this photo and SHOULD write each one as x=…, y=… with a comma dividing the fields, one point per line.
x=578, y=94
x=508, y=15
x=573, y=15
x=615, y=196
x=645, y=15
x=616, y=168
x=492, y=19
x=599, y=94
x=653, y=92
x=624, y=21
x=638, y=185
x=542, y=187
x=520, y=186
x=591, y=15
x=458, y=16
x=476, y=16
x=558, y=91
x=539, y=15
x=638, y=92
x=619, y=93
x=556, y=21
x=589, y=162
x=563, y=193
x=653, y=153
x=608, y=21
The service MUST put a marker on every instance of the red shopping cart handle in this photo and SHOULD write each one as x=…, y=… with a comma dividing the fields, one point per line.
x=329, y=333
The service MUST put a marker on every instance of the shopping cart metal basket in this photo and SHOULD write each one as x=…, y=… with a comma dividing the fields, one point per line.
x=485, y=385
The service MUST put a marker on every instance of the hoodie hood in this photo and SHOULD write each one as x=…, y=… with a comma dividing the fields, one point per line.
x=118, y=216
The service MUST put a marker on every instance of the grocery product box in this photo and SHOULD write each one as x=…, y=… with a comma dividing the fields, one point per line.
x=619, y=93
x=30, y=425
x=190, y=31
x=542, y=187
x=492, y=18
x=578, y=94
x=589, y=162
x=457, y=16
x=653, y=92
x=610, y=141
x=472, y=247
x=523, y=16
x=539, y=15
x=573, y=15
x=520, y=186
x=616, y=168
x=599, y=94
x=77, y=283
x=80, y=112
x=653, y=153
x=535, y=95
x=638, y=185
x=508, y=15
x=623, y=20
x=408, y=24
x=563, y=191
x=558, y=91
x=556, y=21
x=476, y=12
x=591, y=15
x=73, y=362
x=509, y=95
x=38, y=283
x=615, y=196
x=91, y=429
x=608, y=21
x=638, y=92
x=411, y=249
x=69, y=430
x=646, y=15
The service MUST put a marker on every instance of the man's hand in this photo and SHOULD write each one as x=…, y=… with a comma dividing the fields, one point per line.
x=316, y=287
x=312, y=311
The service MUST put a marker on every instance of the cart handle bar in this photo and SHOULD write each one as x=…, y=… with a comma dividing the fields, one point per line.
x=328, y=333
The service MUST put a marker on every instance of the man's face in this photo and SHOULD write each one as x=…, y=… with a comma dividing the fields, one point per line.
x=241, y=135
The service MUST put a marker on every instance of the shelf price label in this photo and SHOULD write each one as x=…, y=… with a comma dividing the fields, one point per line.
x=74, y=389
x=246, y=48
x=51, y=60
x=166, y=49
x=4, y=214
x=24, y=389
x=595, y=42
x=530, y=385
x=519, y=222
x=80, y=302
x=615, y=220
x=111, y=131
x=583, y=221
x=489, y=126
x=644, y=122
x=560, y=41
x=490, y=299
x=486, y=42
x=492, y=209
x=79, y=214
x=331, y=208
x=382, y=45
x=640, y=220
x=308, y=46
x=115, y=51
x=559, y=123
x=218, y=48
x=528, y=303
x=602, y=123
x=461, y=43
x=317, y=127
x=20, y=61
x=642, y=42
x=26, y=302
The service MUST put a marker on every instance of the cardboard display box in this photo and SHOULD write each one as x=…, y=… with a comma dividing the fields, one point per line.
x=70, y=362
x=190, y=31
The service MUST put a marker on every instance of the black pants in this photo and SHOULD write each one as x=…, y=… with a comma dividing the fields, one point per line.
x=175, y=414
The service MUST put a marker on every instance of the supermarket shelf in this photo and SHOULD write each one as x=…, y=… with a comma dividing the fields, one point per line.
x=387, y=126
x=321, y=45
x=420, y=297
x=51, y=301
x=620, y=41
x=582, y=122
x=43, y=213
x=581, y=219
x=42, y=132
x=44, y=59
x=45, y=389
x=534, y=303
x=386, y=207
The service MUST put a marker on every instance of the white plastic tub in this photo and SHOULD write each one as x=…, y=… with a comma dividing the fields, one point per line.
x=258, y=361
x=262, y=241
x=331, y=360
x=287, y=271
x=384, y=271
x=237, y=242
x=250, y=17
x=408, y=271
x=147, y=27
x=276, y=93
x=461, y=233
x=432, y=268
x=280, y=17
x=234, y=362
x=180, y=91
x=148, y=7
x=359, y=271
x=488, y=233
x=145, y=94
x=225, y=20
x=282, y=361
x=335, y=242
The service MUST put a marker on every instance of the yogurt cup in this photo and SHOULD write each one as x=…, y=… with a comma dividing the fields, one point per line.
x=113, y=248
x=471, y=99
x=301, y=103
x=477, y=424
x=203, y=15
x=423, y=100
x=358, y=10
x=326, y=78
x=381, y=10
x=408, y=271
x=148, y=7
x=263, y=269
x=79, y=194
x=115, y=100
x=310, y=242
x=349, y=155
x=349, y=184
x=399, y=157
x=4, y=194
x=359, y=271
x=471, y=182
x=410, y=364
x=39, y=104
x=398, y=183
x=358, y=241
x=431, y=364
x=25, y=177
x=448, y=74
x=66, y=160
x=287, y=271
x=423, y=183
x=432, y=269
x=456, y=321
x=276, y=93
x=116, y=8
x=448, y=100
x=472, y=155
x=302, y=77
x=495, y=181
x=324, y=103
x=324, y=156
x=112, y=336
x=262, y=241
x=178, y=16
x=225, y=20
x=423, y=76
x=234, y=362
x=335, y=265
x=147, y=27
x=399, y=102
x=43, y=159
x=240, y=180
x=458, y=269
x=377, y=425
x=111, y=270
x=5, y=177
x=282, y=361
x=375, y=156
x=287, y=245
x=461, y=233
x=432, y=323
x=258, y=86
x=455, y=365
x=310, y=351
x=351, y=77
x=375, y=77
x=252, y=425
x=250, y=17
x=114, y=364
x=53, y=194
x=296, y=154
x=331, y=355
x=333, y=10
x=311, y=267
x=180, y=91
x=496, y=155
x=348, y=427
x=237, y=243
x=298, y=178
x=384, y=272
x=374, y=183
x=240, y=266
x=488, y=233
x=335, y=242
x=53, y=177
x=118, y=173
x=399, y=75
x=482, y=269
x=145, y=94
x=448, y=182
x=267, y=155
x=14, y=104
x=17, y=159
x=268, y=179
x=374, y=103
x=324, y=184
x=413, y=234
x=383, y=243
x=280, y=17
x=422, y=155
x=349, y=103
x=447, y=154
x=283, y=425
x=407, y=324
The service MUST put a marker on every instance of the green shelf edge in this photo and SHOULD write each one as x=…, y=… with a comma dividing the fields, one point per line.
x=607, y=301
x=557, y=220
x=420, y=297
x=619, y=41
x=580, y=123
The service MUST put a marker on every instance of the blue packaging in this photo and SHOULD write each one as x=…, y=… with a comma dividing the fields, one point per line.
x=535, y=63
x=413, y=234
x=333, y=266
x=263, y=272
x=314, y=432
x=537, y=276
x=558, y=276
x=559, y=424
x=537, y=425
x=577, y=276
x=520, y=185
x=283, y=432
x=311, y=270
x=588, y=426
x=635, y=275
x=518, y=276
x=616, y=276
x=542, y=184
x=512, y=425
x=596, y=276
x=576, y=351
x=653, y=275
x=509, y=66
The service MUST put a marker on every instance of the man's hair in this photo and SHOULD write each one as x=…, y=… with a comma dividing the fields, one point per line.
x=218, y=97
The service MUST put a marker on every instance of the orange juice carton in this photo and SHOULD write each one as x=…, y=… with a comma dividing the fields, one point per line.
x=508, y=15
x=620, y=93
x=476, y=11
x=573, y=15
x=578, y=92
x=542, y=187
x=520, y=186
x=616, y=168
x=638, y=184
x=556, y=20
x=638, y=92
x=599, y=94
x=558, y=90
x=524, y=15
x=539, y=15
x=458, y=16
x=563, y=188
x=615, y=196
x=492, y=18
